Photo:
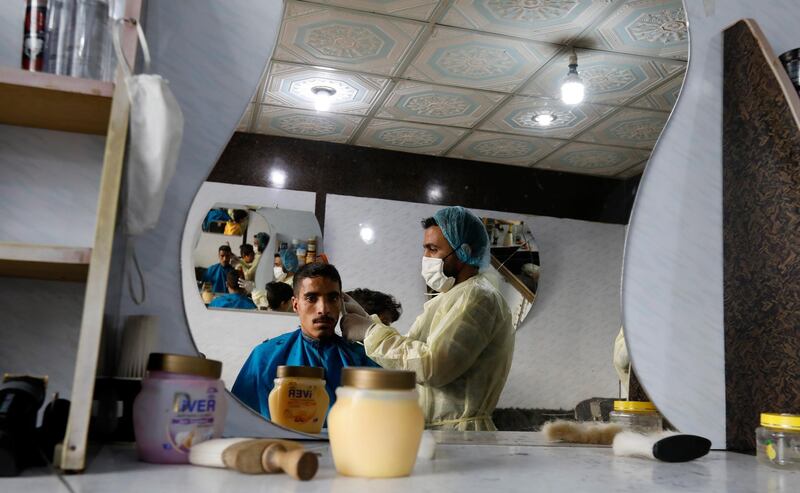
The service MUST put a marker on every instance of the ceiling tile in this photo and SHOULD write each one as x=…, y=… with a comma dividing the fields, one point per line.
x=411, y=9
x=480, y=61
x=291, y=85
x=304, y=124
x=592, y=159
x=645, y=27
x=555, y=21
x=663, y=97
x=632, y=171
x=516, y=116
x=609, y=77
x=443, y=105
x=409, y=137
x=319, y=35
x=628, y=127
x=244, y=123
x=503, y=148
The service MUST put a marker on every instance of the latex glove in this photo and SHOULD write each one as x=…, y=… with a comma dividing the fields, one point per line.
x=355, y=321
x=247, y=285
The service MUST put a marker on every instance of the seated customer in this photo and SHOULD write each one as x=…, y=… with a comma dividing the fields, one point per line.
x=217, y=273
x=277, y=297
x=317, y=300
x=385, y=306
x=236, y=297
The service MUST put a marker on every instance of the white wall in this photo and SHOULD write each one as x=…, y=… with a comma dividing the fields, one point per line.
x=12, y=20
x=672, y=291
x=563, y=348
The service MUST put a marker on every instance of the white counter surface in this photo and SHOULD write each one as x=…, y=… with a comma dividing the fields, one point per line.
x=496, y=462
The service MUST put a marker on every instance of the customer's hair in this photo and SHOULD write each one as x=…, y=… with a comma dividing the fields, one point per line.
x=224, y=248
x=232, y=279
x=239, y=215
x=315, y=269
x=278, y=293
x=377, y=302
x=246, y=249
x=428, y=222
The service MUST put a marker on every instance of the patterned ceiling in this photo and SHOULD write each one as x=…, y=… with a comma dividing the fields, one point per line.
x=464, y=78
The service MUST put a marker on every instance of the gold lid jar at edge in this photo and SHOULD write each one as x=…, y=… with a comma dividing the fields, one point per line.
x=635, y=406
x=790, y=422
x=300, y=372
x=378, y=379
x=188, y=365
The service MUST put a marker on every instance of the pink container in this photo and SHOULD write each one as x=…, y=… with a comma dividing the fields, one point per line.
x=182, y=403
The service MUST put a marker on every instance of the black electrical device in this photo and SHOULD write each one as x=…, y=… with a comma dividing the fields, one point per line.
x=20, y=400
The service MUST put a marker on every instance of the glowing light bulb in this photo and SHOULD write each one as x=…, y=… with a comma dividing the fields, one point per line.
x=572, y=89
x=323, y=96
x=277, y=177
x=544, y=119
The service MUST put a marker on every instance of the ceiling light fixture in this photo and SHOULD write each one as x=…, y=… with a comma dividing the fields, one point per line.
x=323, y=96
x=367, y=234
x=572, y=87
x=278, y=178
x=544, y=119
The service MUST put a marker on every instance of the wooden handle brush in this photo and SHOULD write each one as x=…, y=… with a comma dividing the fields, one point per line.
x=256, y=456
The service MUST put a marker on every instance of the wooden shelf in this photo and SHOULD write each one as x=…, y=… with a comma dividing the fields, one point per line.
x=54, y=102
x=54, y=263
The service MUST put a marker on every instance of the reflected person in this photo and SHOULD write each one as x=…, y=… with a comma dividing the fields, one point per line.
x=462, y=344
x=385, y=306
x=236, y=297
x=317, y=301
x=285, y=265
x=277, y=297
x=217, y=274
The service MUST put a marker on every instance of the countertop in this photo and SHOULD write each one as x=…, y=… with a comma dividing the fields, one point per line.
x=464, y=463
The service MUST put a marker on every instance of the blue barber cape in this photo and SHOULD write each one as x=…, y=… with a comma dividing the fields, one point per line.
x=233, y=300
x=257, y=376
x=216, y=275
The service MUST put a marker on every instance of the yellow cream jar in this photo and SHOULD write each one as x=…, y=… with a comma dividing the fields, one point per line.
x=376, y=424
x=299, y=400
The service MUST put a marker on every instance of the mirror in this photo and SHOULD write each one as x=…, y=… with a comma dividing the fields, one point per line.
x=423, y=115
x=234, y=274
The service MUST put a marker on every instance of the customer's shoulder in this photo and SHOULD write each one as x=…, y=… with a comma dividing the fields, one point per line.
x=278, y=340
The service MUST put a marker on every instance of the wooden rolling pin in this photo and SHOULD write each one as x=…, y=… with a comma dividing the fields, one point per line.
x=256, y=456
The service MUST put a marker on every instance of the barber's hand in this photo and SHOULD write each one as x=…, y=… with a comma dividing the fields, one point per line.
x=355, y=321
x=247, y=285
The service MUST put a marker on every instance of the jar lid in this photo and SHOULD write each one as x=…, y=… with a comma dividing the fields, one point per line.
x=640, y=406
x=301, y=372
x=378, y=379
x=179, y=363
x=785, y=421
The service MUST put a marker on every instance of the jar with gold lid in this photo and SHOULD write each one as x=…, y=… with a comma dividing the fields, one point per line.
x=778, y=440
x=376, y=425
x=182, y=403
x=299, y=400
x=638, y=416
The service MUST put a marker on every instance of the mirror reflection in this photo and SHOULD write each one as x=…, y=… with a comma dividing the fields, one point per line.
x=579, y=103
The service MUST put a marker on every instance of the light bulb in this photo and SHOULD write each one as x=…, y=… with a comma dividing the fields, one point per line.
x=323, y=97
x=544, y=119
x=278, y=178
x=572, y=91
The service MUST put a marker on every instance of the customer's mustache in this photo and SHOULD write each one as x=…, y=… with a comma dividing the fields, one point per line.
x=323, y=320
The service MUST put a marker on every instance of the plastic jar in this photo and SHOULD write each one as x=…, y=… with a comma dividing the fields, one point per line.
x=376, y=425
x=778, y=440
x=299, y=400
x=637, y=416
x=182, y=403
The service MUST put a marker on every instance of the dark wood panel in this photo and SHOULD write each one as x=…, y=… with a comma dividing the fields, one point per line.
x=325, y=167
x=761, y=234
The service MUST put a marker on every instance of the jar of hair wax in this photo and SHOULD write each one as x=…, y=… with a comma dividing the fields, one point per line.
x=376, y=425
x=637, y=416
x=182, y=403
x=299, y=400
x=778, y=440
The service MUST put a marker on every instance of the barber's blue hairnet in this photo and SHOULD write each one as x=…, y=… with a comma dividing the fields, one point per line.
x=289, y=261
x=461, y=226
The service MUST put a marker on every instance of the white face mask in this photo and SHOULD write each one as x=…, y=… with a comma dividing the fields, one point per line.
x=279, y=274
x=433, y=273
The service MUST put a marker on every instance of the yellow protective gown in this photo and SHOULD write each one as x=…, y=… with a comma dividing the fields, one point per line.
x=460, y=347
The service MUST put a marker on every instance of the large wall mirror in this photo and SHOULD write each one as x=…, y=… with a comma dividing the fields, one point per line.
x=358, y=93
